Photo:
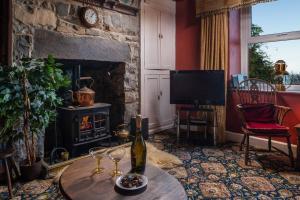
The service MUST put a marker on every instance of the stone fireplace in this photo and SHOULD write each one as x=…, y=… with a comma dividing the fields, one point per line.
x=109, y=52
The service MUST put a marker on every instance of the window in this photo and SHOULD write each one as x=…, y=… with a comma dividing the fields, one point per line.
x=271, y=32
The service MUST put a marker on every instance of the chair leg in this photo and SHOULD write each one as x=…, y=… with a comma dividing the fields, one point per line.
x=290, y=151
x=188, y=126
x=243, y=142
x=247, y=150
x=178, y=126
x=270, y=143
x=7, y=171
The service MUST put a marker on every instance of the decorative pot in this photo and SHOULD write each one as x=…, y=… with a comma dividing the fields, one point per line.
x=84, y=96
x=280, y=67
x=29, y=173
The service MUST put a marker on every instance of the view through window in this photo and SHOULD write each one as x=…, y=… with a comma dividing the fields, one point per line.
x=275, y=35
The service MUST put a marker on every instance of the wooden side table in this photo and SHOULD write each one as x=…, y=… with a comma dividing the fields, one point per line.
x=297, y=127
x=9, y=163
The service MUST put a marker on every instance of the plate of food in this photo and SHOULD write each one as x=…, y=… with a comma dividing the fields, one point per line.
x=131, y=184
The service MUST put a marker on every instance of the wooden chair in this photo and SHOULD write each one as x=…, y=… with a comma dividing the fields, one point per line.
x=9, y=164
x=260, y=115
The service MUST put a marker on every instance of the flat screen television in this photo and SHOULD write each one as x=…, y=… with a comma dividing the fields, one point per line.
x=198, y=87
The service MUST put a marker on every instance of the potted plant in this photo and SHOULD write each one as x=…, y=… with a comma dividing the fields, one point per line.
x=28, y=102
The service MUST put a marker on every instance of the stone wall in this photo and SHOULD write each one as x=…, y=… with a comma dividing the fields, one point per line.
x=62, y=16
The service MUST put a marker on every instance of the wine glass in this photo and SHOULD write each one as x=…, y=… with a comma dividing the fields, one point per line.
x=97, y=153
x=116, y=155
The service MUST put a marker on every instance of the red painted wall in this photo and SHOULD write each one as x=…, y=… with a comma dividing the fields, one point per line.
x=291, y=100
x=187, y=36
x=188, y=57
x=234, y=68
x=234, y=43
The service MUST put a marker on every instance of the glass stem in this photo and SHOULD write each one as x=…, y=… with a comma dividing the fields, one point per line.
x=98, y=164
x=116, y=163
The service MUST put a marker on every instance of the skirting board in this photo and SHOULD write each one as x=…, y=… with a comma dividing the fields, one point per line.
x=260, y=143
x=169, y=126
x=161, y=128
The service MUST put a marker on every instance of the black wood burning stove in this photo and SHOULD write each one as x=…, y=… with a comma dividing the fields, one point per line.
x=84, y=127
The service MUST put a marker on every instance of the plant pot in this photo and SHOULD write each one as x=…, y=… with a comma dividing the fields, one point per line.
x=29, y=173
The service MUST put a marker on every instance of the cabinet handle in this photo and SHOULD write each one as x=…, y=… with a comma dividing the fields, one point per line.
x=161, y=93
x=160, y=36
x=158, y=97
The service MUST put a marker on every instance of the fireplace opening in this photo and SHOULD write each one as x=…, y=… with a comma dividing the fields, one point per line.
x=84, y=128
x=108, y=84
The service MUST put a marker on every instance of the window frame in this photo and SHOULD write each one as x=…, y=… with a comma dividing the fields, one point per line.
x=246, y=39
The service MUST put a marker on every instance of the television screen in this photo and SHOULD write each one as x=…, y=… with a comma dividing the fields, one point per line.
x=199, y=87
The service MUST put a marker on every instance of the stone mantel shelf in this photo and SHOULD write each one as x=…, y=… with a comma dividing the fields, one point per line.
x=115, y=5
x=64, y=46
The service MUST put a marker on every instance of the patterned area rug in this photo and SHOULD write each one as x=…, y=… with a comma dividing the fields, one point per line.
x=206, y=173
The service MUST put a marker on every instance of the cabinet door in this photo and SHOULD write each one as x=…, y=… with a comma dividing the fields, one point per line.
x=167, y=39
x=152, y=97
x=166, y=115
x=151, y=38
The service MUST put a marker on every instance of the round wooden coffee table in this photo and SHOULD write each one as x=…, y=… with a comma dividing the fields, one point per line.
x=78, y=182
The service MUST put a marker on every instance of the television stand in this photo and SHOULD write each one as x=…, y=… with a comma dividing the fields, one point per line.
x=189, y=121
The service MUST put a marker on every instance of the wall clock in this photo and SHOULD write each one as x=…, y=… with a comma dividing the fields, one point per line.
x=89, y=17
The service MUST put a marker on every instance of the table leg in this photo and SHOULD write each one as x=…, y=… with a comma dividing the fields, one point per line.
x=188, y=125
x=178, y=126
x=215, y=126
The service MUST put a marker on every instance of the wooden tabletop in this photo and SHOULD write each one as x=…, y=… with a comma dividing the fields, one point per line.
x=78, y=182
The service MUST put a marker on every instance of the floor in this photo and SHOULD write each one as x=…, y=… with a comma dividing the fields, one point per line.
x=211, y=173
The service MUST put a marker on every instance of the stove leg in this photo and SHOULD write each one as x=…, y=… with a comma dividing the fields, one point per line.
x=109, y=142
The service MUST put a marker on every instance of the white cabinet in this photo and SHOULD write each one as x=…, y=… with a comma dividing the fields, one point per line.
x=166, y=111
x=152, y=43
x=158, y=32
x=167, y=40
x=151, y=103
x=157, y=100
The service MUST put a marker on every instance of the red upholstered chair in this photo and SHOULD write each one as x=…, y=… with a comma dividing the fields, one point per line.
x=260, y=115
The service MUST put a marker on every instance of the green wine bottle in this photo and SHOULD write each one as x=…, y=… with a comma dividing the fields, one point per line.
x=138, y=149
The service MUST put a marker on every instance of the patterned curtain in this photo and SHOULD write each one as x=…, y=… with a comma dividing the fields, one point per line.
x=207, y=7
x=214, y=56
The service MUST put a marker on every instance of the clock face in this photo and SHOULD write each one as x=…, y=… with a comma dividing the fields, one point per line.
x=89, y=17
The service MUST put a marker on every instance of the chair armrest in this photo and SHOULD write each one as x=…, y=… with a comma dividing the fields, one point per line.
x=280, y=113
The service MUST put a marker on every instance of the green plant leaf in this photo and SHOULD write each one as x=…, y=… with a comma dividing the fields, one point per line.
x=42, y=79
